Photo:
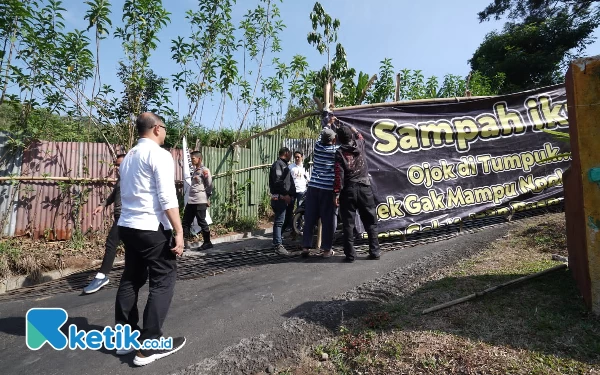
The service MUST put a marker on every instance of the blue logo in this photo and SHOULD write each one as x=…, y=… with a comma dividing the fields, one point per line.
x=43, y=326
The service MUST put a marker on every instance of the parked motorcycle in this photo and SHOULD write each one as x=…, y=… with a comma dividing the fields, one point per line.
x=298, y=219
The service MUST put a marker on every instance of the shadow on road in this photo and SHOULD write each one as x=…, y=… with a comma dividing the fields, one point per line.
x=330, y=314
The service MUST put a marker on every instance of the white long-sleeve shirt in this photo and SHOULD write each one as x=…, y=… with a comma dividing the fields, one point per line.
x=147, y=187
x=300, y=177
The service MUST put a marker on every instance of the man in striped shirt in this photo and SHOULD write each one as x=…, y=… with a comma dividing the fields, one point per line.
x=319, y=196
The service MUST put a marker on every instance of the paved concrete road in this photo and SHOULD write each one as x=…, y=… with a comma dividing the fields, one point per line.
x=213, y=313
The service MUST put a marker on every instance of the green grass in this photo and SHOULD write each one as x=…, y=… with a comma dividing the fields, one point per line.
x=538, y=327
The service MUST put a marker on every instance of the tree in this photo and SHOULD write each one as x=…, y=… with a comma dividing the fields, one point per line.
x=13, y=15
x=198, y=54
x=261, y=28
x=142, y=20
x=354, y=93
x=384, y=86
x=530, y=10
x=323, y=35
x=153, y=96
x=533, y=48
x=324, y=39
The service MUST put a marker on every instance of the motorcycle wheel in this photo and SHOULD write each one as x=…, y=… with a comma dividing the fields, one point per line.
x=298, y=223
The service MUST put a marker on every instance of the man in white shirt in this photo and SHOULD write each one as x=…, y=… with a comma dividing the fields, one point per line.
x=149, y=213
x=299, y=174
x=300, y=179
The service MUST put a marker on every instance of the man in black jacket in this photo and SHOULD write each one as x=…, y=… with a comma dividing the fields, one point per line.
x=112, y=241
x=353, y=191
x=282, y=189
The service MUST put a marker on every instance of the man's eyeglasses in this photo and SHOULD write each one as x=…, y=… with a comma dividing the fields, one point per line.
x=164, y=127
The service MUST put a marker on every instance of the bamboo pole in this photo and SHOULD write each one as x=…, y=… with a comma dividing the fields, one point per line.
x=492, y=289
x=319, y=234
x=320, y=226
x=242, y=170
x=92, y=180
x=397, y=96
x=243, y=141
x=49, y=178
x=412, y=102
x=326, y=93
x=326, y=106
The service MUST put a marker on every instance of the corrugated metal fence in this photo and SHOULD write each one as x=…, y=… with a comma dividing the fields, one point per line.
x=57, y=185
x=10, y=165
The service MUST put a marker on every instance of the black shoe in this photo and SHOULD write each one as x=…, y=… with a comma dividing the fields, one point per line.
x=206, y=246
x=305, y=254
x=144, y=357
x=349, y=260
x=373, y=257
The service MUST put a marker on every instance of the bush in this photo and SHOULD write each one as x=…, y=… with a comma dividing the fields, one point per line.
x=243, y=224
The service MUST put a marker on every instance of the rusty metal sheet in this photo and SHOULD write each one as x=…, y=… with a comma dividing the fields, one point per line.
x=10, y=165
x=48, y=208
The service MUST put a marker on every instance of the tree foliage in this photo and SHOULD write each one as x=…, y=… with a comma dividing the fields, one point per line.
x=534, y=46
x=142, y=21
x=54, y=72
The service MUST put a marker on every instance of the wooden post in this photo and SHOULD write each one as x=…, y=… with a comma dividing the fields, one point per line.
x=327, y=102
x=319, y=234
x=326, y=91
x=235, y=155
x=467, y=90
x=581, y=180
x=397, y=96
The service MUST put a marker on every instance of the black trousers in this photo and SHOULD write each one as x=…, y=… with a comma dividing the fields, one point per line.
x=358, y=197
x=147, y=253
x=197, y=211
x=319, y=204
x=110, y=251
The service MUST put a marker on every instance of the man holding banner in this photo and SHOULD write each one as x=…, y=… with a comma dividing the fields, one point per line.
x=353, y=191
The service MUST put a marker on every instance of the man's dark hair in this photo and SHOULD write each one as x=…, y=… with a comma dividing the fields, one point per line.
x=298, y=152
x=146, y=121
x=197, y=154
x=283, y=151
x=119, y=156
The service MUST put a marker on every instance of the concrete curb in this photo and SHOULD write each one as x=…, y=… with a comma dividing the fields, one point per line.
x=16, y=282
x=21, y=281
x=236, y=237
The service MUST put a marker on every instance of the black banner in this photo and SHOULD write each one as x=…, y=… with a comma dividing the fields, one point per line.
x=434, y=164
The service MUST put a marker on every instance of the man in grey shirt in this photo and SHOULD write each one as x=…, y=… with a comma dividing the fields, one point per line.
x=198, y=202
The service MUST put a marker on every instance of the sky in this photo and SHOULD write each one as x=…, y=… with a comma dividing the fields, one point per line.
x=435, y=36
